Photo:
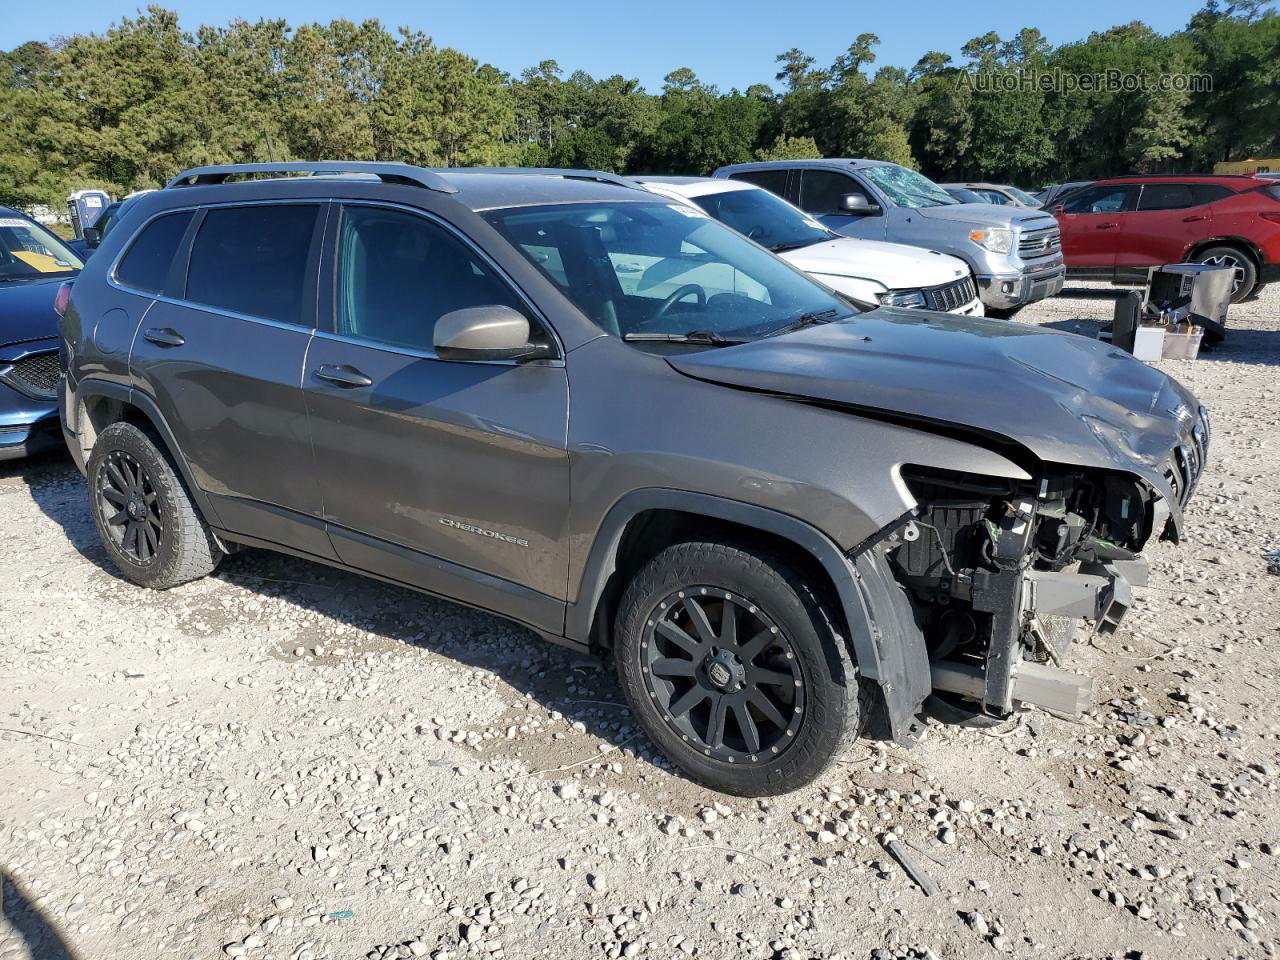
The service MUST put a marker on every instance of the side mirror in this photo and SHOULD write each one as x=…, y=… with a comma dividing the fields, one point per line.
x=1058, y=209
x=492, y=332
x=92, y=237
x=858, y=205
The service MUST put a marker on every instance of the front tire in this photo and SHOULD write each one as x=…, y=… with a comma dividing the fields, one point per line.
x=150, y=528
x=732, y=666
x=1246, y=271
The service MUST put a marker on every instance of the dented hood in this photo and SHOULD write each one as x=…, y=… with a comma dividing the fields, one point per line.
x=1063, y=397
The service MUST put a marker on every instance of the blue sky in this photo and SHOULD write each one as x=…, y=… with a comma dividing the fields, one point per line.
x=729, y=44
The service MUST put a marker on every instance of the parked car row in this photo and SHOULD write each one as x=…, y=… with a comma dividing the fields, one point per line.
x=1014, y=252
x=788, y=508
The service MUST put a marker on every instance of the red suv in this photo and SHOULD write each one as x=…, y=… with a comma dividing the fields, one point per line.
x=1115, y=229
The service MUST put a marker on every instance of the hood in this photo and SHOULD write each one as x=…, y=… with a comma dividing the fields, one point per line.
x=26, y=309
x=988, y=215
x=895, y=265
x=1065, y=398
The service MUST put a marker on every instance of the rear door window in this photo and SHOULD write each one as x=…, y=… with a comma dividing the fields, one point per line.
x=146, y=264
x=1209, y=192
x=253, y=260
x=1165, y=196
x=775, y=181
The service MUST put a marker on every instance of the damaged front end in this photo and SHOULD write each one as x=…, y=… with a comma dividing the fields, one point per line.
x=1001, y=572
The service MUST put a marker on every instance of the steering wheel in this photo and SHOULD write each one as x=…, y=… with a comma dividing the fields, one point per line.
x=676, y=296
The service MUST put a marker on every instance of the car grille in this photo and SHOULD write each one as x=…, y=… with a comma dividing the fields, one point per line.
x=1187, y=463
x=950, y=295
x=36, y=374
x=1044, y=242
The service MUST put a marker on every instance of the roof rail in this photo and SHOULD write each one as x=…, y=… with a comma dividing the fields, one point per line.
x=401, y=173
x=599, y=176
x=1178, y=176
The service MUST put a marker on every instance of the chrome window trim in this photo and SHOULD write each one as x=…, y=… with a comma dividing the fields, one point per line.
x=114, y=281
x=231, y=314
x=481, y=254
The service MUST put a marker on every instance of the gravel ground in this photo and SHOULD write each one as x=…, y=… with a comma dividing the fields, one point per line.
x=286, y=761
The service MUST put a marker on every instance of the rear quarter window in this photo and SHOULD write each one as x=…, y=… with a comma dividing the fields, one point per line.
x=145, y=265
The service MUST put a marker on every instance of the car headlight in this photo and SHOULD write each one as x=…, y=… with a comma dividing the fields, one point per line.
x=902, y=298
x=995, y=239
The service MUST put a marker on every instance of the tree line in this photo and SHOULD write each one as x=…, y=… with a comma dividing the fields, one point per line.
x=126, y=109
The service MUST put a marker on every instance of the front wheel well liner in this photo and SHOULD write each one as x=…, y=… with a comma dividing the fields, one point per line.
x=651, y=531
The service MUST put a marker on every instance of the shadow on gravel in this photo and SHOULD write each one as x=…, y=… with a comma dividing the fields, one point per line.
x=32, y=928
x=57, y=488
x=1095, y=293
x=1257, y=347
x=581, y=687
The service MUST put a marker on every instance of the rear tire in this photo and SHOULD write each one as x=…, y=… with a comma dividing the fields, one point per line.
x=1246, y=279
x=150, y=528
x=756, y=708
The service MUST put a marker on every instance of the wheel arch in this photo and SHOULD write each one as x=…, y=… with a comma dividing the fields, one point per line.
x=100, y=403
x=1244, y=244
x=877, y=622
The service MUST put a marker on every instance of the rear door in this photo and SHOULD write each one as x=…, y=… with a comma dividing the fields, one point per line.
x=1170, y=218
x=223, y=359
x=451, y=476
x=782, y=182
x=1092, y=222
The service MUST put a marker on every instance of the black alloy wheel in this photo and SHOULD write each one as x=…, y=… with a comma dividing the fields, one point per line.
x=724, y=677
x=128, y=501
x=149, y=526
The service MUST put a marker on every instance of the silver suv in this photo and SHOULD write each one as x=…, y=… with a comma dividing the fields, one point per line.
x=786, y=520
x=1015, y=253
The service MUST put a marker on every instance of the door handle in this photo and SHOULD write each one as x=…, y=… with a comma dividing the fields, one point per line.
x=1194, y=217
x=165, y=337
x=1107, y=226
x=342, y=375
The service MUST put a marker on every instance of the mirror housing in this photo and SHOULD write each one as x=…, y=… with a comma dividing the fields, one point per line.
x=858, y=205
x=92, y=237
x=491, y=332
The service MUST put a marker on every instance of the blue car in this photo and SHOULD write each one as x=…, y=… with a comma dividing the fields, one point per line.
x=33, y=265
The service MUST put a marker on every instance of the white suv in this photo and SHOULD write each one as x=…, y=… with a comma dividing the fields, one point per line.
x=870, y=271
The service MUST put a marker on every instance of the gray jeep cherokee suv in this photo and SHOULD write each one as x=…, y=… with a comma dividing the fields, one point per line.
x=616, y=421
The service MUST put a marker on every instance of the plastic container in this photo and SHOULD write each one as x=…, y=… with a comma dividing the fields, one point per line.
x=1148, y=343
x=1182, y=343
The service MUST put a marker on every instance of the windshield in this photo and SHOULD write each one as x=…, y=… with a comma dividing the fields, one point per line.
x=763, y=217
x=28, y=250
x=647, y=269
x=1023, y=197
x=965, y=195
x=906, y=188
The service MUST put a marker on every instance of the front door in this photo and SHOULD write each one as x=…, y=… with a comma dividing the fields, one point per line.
x=451, y=476
x=1092, y=222
x=222, y=355
x=821, y=193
